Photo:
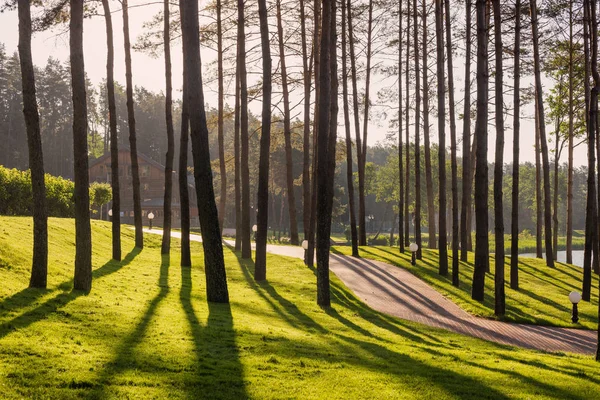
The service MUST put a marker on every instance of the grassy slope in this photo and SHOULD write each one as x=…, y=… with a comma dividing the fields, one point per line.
x=146, y=331
x=542, y=297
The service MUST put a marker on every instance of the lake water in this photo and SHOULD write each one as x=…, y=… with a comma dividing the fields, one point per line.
x=562, y=257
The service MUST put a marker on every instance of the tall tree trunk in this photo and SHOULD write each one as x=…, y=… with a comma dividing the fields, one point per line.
x=514, y=246
x=407, y=81
x=216, y=281
x=441, y=94
x=453, y=162
x=571, y=145
x=538, y=188
x=310, y=253
x=349, y=175
x=499, y=296
x=241, y=64
x=326, y=147
x=83, y=233
x=543, y=141
x=307, y=73
x=220, y=120
x=591, y=217
x=114, y=138
x=287, y=132
x=237, y=163
x=135, y=174
x=362, y=230
x=166, y=239
x=184, y=197
x=432, y=244
x=417, y=216
x=367, y=89
x=260, y=266
x=481, y=170
x=400, y=147
x=555, y=199
x=39, y=262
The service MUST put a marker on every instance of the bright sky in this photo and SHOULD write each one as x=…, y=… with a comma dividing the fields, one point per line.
x=149, y=72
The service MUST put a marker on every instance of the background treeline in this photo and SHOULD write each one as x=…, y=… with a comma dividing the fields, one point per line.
x=382, y=181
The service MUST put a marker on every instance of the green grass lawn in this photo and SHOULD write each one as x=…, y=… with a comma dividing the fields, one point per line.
x=146, y=331
x=542, y=297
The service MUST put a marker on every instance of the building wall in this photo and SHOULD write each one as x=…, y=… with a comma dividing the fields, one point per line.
x=152, y=184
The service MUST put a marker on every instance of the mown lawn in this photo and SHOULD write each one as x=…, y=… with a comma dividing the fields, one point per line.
x=542, y=298
x=146, y=331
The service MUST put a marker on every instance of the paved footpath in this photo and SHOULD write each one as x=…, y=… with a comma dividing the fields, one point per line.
x=395, y=291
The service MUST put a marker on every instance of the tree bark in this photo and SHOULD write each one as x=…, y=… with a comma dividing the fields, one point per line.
x=441, y=94
x=83, y=233
x=262, y=217
x=220, y=120
x=499, y=295
x=114, y=138
x=245, y=172
x=216, y=281
x=237, y=161
x=367, y=91
x=514, y=247
x=432, y=243
x=400, y=146
x=184, y=197
x=39, y=262
x=362, y=231
x=453, y=162
x=417, y=216
x=538, y=188
x=407, y=81
x=287, y=133
x=349, y=175
x=166, y=239
x=569, y=249
x=327, y=132
x=481, y=170
x=591, y=219
x=135, y=174
x=307, y=73
x=543, y=141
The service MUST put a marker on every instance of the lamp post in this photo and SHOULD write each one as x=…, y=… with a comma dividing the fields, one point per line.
x=575, y=298
x=110, y=214
x=371, y=218
x=254, y=229
x=150, y=218
x=413, y=249
x=305, y=247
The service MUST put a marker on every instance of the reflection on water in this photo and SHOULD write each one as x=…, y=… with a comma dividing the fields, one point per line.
x=562, y=257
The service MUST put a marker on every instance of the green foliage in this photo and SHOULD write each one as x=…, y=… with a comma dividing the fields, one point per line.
x=16, y=196
x=380, y=241
x=100, y=193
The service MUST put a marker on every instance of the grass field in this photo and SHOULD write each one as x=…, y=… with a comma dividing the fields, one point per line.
x=146, y=331
x=542, y=297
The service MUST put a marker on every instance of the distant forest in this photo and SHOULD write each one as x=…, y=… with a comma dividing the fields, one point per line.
x=54, y=98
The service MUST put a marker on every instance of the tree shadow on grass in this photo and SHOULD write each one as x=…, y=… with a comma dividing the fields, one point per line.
x=282, y=306
x=219, y=372
x=28, y=296
x=125, y=354
x=541, y=388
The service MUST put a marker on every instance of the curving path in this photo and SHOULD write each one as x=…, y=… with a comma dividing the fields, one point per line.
x=395, y=291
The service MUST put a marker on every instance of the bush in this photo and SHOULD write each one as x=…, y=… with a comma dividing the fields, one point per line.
x=380, y=241
x=16, y=197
